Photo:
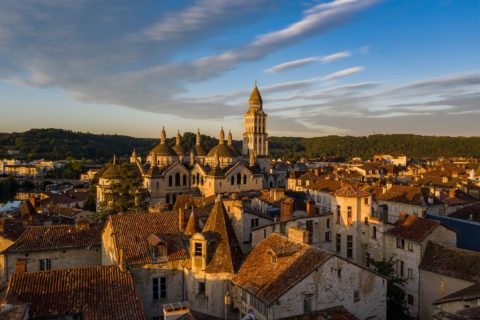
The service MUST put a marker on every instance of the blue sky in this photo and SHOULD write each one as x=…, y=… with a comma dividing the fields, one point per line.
x=348, y=67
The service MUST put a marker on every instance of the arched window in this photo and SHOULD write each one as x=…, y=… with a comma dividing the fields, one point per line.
x=232, y=180
x=167, y=198
x=202, y=181
x=177, y=179
x=198, y=177
x=170, y=181
x=244, y=179
x=193, y=179
x=157, y=185
x=174, y=198
x=239, y=178
x=184, y=179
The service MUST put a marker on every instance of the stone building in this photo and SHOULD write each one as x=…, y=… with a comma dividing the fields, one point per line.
x=42, y=248
x=444, y=271
x=284, y=276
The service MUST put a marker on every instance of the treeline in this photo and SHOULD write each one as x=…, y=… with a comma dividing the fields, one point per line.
x=61, y=144
x=413, y=146
x=8, y=188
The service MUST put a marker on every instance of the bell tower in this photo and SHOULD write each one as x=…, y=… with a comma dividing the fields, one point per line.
x=255, y=137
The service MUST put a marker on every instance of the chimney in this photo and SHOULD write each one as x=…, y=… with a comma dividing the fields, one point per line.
x=286, y=209
x=297, y=235
x=311, y=208
x=181, y=219
x=122, y=263
x=451, y=193
x=21, y=266
x=432, y=189
x=175, y=311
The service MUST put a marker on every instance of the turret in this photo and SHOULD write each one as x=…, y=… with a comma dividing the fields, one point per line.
x=229, y=139
x=198, y=138
x=163, y=136
x=178, y=138
x=221, y=136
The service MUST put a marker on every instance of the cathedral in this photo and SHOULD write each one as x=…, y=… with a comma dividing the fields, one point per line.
x=168, y=172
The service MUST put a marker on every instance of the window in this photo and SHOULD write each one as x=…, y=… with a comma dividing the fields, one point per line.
x=253, y=222
x=410, y=299
x=232, y=180
x=374, y=232
x=365, y=200
x=328, y=223
x=177, y=179
x=274, y=259
x=45, y=264
x=349, y=246
x=198, y=249
x=338, y=243
x=356, y=296
x=399, y=268
x=338, y=214
x=184, y=180
x=410, y=273
x=201, y=288
x=349, y=215
x=410, y=246
x=400, y=243
x=244, y=179
x=239, y=178
x=170, y=181
x=339, y=273
x=328, y=236
x=307, y=303
x=159, y=288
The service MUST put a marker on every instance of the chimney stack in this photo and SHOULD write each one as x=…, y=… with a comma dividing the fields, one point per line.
x=311, y=208
x=181, y=219
x=122, y=263
x=286, y=209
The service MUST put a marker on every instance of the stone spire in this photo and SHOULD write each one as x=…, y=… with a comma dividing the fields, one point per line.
x=163, y=136
x=255, y=102
x=221, y=136
x=134, y=153
x=229, y=139
x=179, y=138
x=198, y=137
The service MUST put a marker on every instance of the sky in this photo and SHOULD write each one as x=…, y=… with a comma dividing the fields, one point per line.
x=344, y=67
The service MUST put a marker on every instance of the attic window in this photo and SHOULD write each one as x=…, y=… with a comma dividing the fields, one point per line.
x=274, y=259
x=157, y=247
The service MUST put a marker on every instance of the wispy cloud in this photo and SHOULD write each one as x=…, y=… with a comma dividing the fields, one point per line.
x=343, y=73
x=301, y=62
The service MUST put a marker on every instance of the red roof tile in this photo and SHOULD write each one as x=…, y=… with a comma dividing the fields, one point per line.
x=413, y=228
x=95, y=293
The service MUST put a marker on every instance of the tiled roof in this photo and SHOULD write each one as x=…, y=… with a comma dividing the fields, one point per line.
x=459, y=198
x=132, y=229
x=327, y=185
x=452, y=262
x=224, y=251
x=468, y=293
x=94, y=293
x=405, y=194
x=335, y=313
x=12, y=228
x=27, y=209
x=37, y=238
x=349, y=191
x=413, y=228
x=268, y=281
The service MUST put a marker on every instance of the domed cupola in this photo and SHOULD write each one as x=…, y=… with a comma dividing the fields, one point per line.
x=178, y=147
x=164, y=153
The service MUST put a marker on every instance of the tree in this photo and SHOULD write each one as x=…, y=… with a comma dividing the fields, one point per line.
x=396, y=303
x=90, y=203
x=8, y=188
x=126, y=192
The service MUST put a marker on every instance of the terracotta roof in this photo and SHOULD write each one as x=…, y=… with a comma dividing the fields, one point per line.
x=335, y=313
x=452, y=262
x=111, y=172
x=405, y=194
x=468, y=293
x=268, y=281
x=27, y=209
x=12, y=228
x=132, y=229
x=224, y=251
x=36, y=238
x=459, y=198
x=94, y=293
x=349, y=191
x=192, y=225
x=413, y=228
x=326, y=185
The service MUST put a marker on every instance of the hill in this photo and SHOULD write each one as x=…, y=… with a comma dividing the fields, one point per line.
x=60, y=144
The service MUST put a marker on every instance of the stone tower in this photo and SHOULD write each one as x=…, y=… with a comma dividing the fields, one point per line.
x=255, y=137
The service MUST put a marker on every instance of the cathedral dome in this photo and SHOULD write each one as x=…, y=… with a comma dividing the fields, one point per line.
x=224, y=151
x=163, y=150
x=198, y=150
x=178, y=147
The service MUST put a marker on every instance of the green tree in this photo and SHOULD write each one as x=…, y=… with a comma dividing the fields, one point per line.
x=90, y=203
x=126, y=192
x=8, y=188
x=396, y=303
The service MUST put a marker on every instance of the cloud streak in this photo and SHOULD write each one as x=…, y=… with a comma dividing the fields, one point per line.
x=305, y=61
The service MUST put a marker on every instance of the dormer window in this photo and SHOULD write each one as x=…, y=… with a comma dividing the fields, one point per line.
x=157, y=248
